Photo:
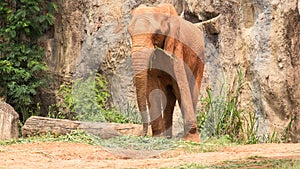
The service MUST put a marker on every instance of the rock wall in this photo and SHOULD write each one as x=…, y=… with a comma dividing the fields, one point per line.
x=90, y=36
x=262, y=38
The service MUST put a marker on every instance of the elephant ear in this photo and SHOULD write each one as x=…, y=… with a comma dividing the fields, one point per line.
x=173, y=37
x=166, y=11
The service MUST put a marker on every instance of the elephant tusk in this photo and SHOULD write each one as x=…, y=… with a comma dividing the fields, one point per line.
x=212, y=26
x=182, y=14
x=299, y=6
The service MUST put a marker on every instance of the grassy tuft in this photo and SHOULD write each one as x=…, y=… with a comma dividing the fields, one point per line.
x=125, y=142
x=160, y=143
x=77, y=136
x=138, y=143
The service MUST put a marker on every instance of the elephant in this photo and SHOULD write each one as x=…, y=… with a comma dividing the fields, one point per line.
x=168, y=63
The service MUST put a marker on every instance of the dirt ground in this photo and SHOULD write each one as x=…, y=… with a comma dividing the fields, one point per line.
x=78, y=156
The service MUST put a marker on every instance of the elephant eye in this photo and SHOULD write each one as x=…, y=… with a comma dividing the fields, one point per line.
x=156, y=44
x=158, y=40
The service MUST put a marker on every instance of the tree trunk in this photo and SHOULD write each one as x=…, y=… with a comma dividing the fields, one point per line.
x=40, y=125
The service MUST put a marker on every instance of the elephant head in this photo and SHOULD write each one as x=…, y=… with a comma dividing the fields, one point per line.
x=150, y=25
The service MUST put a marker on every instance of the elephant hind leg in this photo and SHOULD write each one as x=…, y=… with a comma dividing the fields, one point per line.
x=168, y=111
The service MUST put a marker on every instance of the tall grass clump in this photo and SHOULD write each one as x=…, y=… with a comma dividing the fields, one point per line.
x=221, y=115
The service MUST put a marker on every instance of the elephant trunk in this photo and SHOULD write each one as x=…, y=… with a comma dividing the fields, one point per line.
x=142, y=50
x=140, y=64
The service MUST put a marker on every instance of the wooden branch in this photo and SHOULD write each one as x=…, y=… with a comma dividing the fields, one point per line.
x=36, y=125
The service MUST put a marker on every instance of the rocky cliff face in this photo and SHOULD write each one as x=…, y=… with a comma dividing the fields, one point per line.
x=262, y=38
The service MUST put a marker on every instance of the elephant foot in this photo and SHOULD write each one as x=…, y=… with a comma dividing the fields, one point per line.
x=168, y=137
x=192, y=137
x=157, y=134
x=168, y=133
x=145, y=129
x=192, y=134
x=157, y=127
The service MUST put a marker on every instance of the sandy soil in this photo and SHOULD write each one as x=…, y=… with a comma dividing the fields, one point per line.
x=80, y=156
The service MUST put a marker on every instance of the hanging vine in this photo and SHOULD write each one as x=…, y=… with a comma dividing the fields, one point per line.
x=22, y=23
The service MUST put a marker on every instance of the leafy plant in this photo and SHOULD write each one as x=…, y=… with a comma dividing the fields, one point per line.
x=23, y=22
x=82, y=99
x=86, y=99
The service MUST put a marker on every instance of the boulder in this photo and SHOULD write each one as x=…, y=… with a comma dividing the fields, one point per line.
x=8, y=122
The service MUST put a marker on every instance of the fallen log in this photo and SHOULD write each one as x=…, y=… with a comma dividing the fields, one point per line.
x=36, y=125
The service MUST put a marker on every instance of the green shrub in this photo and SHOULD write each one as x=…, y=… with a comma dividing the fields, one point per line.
x=86, y=99
x=82, y=99
x=21, y=56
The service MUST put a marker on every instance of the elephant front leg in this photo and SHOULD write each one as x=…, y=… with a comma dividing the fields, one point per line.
x=140, y=82
x=187, y=104
x=183, y=80
x=191, y=132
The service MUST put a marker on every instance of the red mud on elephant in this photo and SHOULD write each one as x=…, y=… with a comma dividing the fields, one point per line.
x=168, y=65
